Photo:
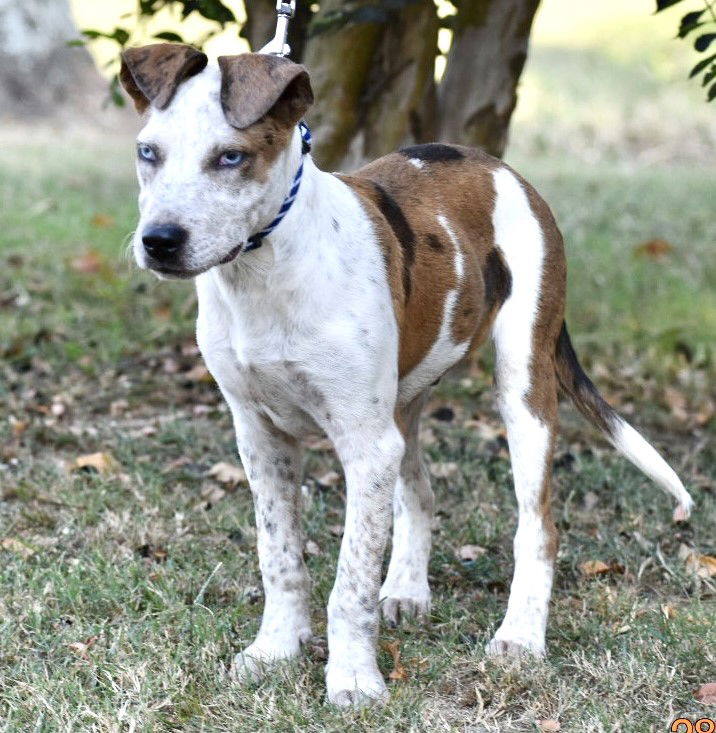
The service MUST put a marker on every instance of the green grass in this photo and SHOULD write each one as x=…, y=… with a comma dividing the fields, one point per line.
x=120, y=559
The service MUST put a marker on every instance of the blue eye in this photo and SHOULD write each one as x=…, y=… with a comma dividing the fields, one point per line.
x=231, y=158
x=146, y=152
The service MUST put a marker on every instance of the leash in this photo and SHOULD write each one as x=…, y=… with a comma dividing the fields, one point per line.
x=256, y=240
x=277, y=46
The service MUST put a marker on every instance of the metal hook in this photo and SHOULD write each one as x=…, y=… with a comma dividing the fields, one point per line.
x=277, y=45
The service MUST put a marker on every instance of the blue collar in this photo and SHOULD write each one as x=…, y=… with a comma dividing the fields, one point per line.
x=256, y=240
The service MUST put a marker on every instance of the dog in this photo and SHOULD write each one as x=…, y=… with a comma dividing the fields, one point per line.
x=332, y=303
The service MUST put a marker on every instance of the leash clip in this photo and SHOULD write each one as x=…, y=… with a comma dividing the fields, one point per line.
x=277, y=46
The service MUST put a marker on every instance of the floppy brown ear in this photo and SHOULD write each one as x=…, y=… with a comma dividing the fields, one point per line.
x=152, y=74
x=254, y=85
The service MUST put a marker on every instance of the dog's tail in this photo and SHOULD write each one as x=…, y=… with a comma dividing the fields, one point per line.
x=623, y=437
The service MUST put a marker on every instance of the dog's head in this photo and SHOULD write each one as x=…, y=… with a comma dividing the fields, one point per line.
x=217, y=154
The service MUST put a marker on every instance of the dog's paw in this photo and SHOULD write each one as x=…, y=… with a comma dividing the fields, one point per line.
x=400, y=603
x=258, y=659
x=349, y=685
x=397, y=609
x=515, y=647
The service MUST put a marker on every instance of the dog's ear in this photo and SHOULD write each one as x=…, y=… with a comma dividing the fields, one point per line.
x=254, y=85
x=152, y=74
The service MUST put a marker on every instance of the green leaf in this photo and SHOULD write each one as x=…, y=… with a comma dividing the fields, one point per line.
x=701, y=66
x=78, y=42
x=712, y=93
x=663, y=4
x=690, y=22
x=709, y=76
x=120, y=35
x=89, y=33
x=703, y=42
x=169, y=36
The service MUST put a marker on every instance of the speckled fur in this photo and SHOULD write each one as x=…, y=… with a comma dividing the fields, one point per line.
x=369, y=290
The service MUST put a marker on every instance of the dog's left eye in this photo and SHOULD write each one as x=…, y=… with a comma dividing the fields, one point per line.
x=146, y=152
x=231, y=158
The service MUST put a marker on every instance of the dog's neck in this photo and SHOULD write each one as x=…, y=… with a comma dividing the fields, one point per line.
x=296, y=235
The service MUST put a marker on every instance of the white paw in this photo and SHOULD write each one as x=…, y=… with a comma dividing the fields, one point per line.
x=259, y=658
x=354, y=685
x=399, y=601
x=506, y=644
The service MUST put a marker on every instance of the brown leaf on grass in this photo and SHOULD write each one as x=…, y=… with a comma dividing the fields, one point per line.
x=102, y=221
x=705, y=413
x=706, y=694
x=444, y=469
x=228, y=473
x=199, y=373
x=335, y=529
x=102, y=463
x=329, y=479
x=703, y=566
x=469, y=553
x=676, y=402
x=591, y=568
x=399, y=673
x=312, y=548
x=82, y=647
x=89, y=263
x=654, y=249
x=668, y=611
x=19, y=426
x=14, y=545
x=548, y=726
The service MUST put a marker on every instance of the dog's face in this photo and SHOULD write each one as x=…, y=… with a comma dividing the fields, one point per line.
x=215, y=158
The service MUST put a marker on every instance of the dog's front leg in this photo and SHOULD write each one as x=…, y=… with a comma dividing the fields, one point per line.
x=371, y=461
x=273, y=464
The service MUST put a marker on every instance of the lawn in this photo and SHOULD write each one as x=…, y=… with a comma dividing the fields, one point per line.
x=126, y=590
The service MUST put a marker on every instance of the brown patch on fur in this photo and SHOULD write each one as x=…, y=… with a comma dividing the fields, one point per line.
x=254, y=85
x=264, y=142
x=152, y=74
x=463, y=192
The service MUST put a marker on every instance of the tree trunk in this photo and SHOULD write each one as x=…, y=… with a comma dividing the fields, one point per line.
x=39, y=73
x=478, y=92
x=372, y=73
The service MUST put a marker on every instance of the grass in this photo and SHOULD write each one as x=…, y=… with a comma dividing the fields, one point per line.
x=99, y=358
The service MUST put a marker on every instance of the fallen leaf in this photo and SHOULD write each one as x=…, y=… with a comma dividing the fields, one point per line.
x=89, y=262
x=676, y=401
x=312, y=548
x=228, y=473
x=19, y=426
x=82, y=647
x=102, y=463
x=443, y=469
x=399, y=673
x=548, y=726
x=331, y=478
x=655, y=249
x=102, y=221
x=212, y=494
x=668, y=611
x=335, y=529
x=706, y=694
x=14, y=545
x=597, y=567
x=469, y=553
x=703, y=566
x=199, y=373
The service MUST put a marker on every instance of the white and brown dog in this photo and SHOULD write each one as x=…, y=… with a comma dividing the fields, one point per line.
x=370, y=288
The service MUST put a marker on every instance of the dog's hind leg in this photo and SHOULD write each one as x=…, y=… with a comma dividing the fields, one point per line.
x=405, y=591
x=525, y=334
x=272, y=462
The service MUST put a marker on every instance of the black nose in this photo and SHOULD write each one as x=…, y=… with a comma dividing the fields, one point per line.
x=162, y=243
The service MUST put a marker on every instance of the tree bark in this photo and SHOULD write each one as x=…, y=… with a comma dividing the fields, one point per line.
x=39, y=73
x=478, y=92
x=372, y=77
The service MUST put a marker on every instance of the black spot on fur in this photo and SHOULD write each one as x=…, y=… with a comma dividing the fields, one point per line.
x=402, y=230
x=433, y=153
x=336, y=225
x=498, y=280
x=434, y=242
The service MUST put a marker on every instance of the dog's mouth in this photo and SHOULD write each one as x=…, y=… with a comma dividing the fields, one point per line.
x=177, y=273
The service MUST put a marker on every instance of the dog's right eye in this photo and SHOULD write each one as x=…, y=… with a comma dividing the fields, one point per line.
x=147, y=153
